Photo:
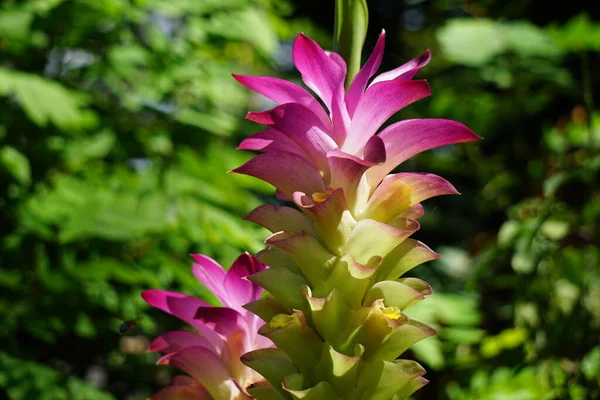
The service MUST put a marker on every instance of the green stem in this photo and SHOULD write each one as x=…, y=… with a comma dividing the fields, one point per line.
x=351, y=21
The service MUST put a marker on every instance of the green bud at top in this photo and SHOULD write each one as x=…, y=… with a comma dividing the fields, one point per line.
x=351, y=21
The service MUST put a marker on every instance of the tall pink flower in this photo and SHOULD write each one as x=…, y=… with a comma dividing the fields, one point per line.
x=336, y=265
x=211, y=355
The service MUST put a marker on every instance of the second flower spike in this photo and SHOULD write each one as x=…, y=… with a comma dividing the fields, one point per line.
x=211, y=355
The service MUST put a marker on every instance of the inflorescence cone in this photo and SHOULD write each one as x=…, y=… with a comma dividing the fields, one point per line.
x=336, y=295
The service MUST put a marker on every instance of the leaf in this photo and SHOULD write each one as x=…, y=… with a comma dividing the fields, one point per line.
x=45, y=101
x=455, y=261
x=88, y=148
x=554, y=229
x=16, y=164
x=15, y=23
x=528, y=40
x=476, y=42
x=43, y=6
x=115, y=217
x=567, y=295
x=466, y=335
x=185, y=7
x=471, y=42
x=217, y=124
x=22, y=380
x=10, y=279
x=590, y=365
x=492, y=346
x=508, y=233
x=84, y=326
x=250, y=25
x=430, y=351
x=578, y=34
x=126, y=58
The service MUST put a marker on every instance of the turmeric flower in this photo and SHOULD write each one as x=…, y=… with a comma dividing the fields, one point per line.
x=336, y=264
x=211, y=355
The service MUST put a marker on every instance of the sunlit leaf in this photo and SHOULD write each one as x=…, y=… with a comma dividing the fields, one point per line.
x=16, y=164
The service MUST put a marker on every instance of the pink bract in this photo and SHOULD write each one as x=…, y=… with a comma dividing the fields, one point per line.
x=308, y=148
x=211, y=355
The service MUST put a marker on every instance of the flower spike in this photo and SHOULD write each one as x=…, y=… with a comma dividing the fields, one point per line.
x=211, y=355
x=337, y=295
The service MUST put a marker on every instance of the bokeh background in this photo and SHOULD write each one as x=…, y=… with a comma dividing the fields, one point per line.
x=119, y=119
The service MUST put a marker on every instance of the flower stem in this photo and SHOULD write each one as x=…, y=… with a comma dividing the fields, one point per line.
x=351, y=21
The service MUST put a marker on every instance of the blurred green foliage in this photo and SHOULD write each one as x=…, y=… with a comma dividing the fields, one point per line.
x=119, y=119
x=27, y=380
x=519, y=280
